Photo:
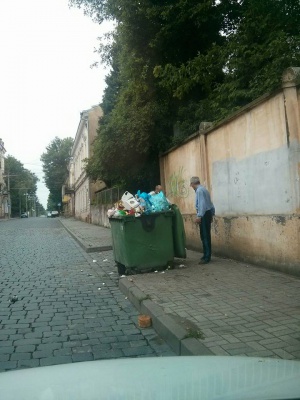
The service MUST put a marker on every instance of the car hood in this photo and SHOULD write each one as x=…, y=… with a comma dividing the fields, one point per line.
x=165, y=378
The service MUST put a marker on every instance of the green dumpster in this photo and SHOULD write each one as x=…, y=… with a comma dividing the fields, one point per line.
x=144, y=243
x=179, y=238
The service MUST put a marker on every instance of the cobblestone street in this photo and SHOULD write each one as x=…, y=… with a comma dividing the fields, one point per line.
x=69, y=307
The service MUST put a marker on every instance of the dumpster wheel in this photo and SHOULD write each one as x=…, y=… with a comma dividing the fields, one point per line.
x=171, y=265
x=121, y=268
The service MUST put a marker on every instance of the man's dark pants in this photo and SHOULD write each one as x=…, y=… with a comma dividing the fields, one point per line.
x=205, y=229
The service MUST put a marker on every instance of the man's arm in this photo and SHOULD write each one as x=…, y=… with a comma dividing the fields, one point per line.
x=199, y=206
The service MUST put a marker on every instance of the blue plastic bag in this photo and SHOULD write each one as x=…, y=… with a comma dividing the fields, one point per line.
x=145, y=201
x=159, y=202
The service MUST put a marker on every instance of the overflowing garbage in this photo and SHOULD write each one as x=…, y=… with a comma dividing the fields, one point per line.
x=141, y=203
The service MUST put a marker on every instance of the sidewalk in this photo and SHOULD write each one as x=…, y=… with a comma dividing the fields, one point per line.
x=223, y=308
x=90, y=237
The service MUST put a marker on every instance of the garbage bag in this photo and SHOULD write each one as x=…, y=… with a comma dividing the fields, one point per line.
x=145, y=201
x=129, y=201
x=159, y=202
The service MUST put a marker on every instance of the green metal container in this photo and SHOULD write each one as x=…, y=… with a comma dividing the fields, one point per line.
x=179, y=238
x=144, y=243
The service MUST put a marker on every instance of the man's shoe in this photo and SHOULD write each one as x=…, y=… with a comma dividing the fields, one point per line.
x=203, y=261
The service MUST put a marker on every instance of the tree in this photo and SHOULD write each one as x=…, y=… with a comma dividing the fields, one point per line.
x=260, y=40
x=55, y=166
x=22, y=185
x=40, y=210
x=265, y=42
x=52, y=202
x=175, y=63
x=140, y=114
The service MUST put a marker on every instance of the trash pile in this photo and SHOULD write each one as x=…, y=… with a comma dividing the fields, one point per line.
x=141, y=203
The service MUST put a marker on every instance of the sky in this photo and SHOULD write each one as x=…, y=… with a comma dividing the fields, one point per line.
x=45, y=76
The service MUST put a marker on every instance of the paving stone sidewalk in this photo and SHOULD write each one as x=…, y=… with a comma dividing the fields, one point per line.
x=90, y=237
x=239, y=309
x=232, y=308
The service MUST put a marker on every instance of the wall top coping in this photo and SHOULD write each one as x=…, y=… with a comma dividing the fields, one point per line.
x=291, y=77
x=224, y=121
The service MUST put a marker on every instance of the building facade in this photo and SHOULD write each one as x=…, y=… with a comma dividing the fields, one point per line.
x=78, y=192
x=3, y=189
x=68, y=197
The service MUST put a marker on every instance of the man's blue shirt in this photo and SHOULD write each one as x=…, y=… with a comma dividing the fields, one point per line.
x=203, y=201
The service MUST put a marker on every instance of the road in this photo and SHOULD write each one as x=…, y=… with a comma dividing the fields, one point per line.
x=69, y=306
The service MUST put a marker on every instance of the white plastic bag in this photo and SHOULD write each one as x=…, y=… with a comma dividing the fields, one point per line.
x=129, y=201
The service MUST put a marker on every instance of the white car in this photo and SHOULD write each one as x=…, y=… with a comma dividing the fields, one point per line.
x=167, y=378
x=49, y=214
x=54, y=214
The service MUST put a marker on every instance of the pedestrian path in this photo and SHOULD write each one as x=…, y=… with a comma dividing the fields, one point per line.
x=91, y=238
x=238, y=309
x=231, y=308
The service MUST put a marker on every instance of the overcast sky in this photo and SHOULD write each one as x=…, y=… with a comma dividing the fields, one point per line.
x=45, y=76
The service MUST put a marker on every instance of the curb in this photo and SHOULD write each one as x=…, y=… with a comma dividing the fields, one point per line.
x=87, y=249
x=173, y=333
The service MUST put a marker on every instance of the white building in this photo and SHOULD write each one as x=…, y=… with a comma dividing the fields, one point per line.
x=3, y=190
x=79, y=191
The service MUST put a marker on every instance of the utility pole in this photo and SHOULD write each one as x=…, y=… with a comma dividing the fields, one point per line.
x=20, y=211
x=30, y=205
x=26, y=194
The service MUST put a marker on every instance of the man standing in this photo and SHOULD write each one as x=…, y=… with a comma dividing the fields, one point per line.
x=205, y=212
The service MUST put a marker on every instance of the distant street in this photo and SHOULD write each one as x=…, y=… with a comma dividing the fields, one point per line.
x=67, y=305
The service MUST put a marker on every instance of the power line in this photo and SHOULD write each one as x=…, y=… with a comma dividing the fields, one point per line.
x=26, y=163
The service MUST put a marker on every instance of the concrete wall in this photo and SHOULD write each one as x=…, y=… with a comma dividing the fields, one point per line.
x=250, y=162
x=99, y=215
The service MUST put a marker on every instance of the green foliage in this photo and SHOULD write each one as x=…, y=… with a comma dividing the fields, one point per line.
x=40, y=210
x=55, y=166
x=140, y=113
x=52, y=202
x=193, y=333
x=22, y=182
x=261, y=39
x=266, y=42
x=175, y=63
